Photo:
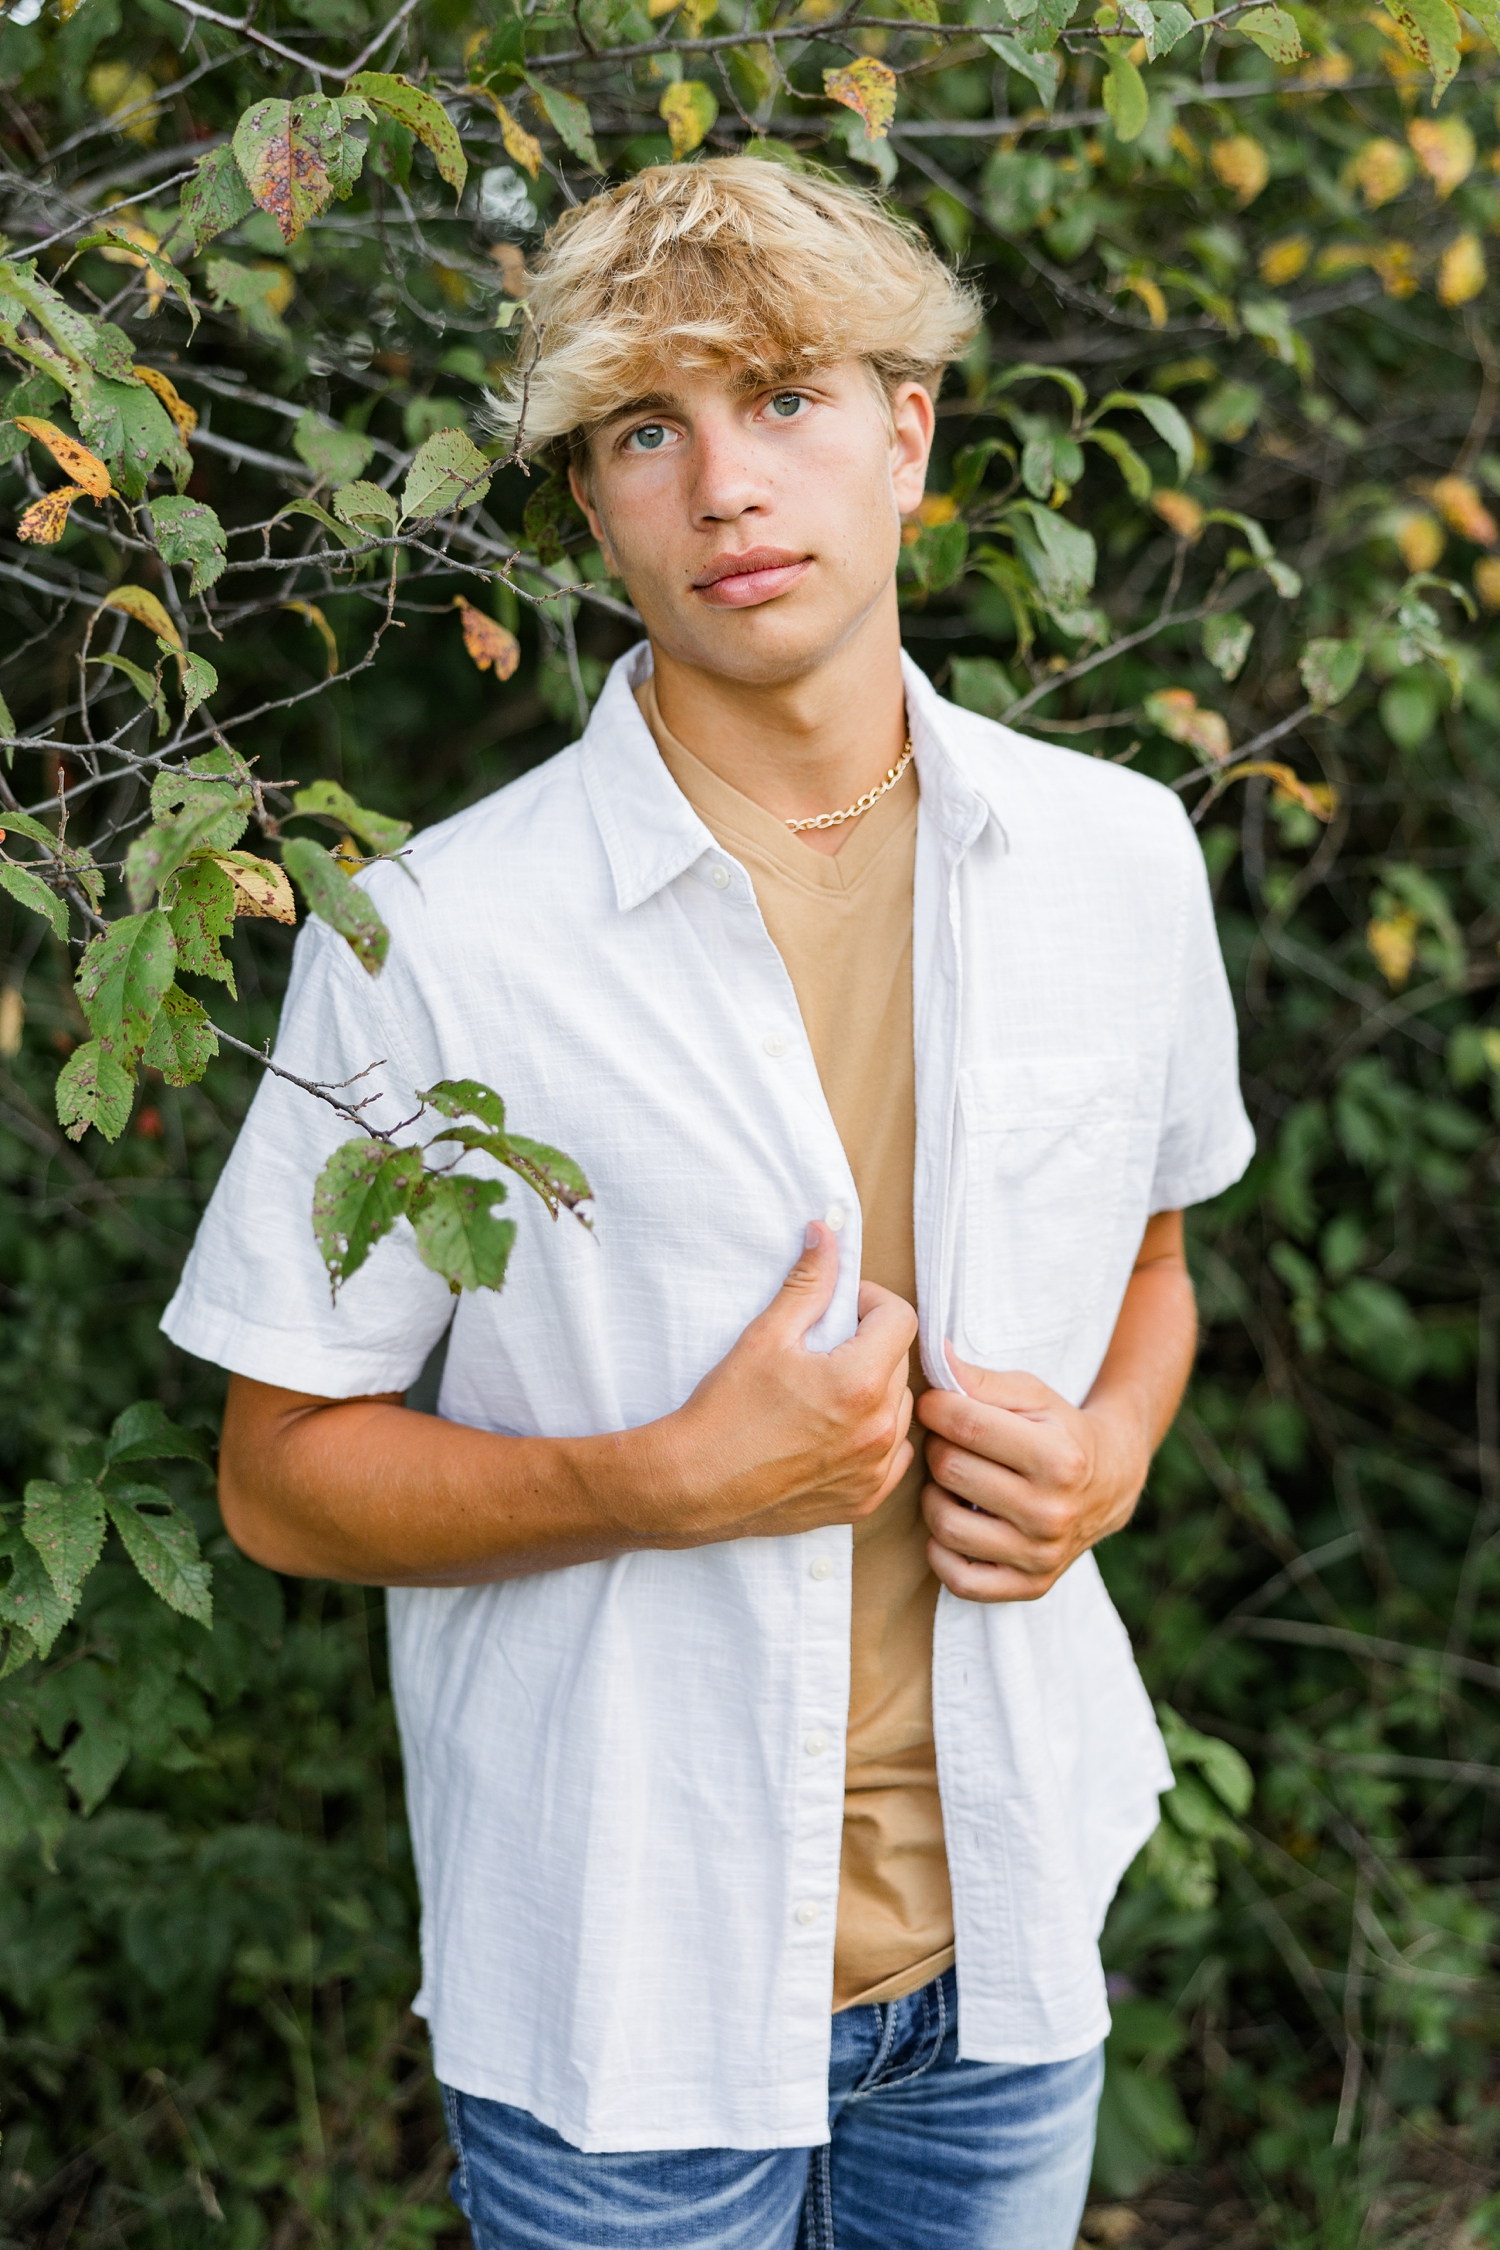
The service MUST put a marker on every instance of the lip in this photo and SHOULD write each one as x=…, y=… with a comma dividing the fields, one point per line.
x=759, y=574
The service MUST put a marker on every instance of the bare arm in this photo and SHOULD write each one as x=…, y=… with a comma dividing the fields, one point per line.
x=775, y=1439
x=1048, y=1479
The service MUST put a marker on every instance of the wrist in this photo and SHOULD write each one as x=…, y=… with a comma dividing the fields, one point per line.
x=635, y=1483
x=1124, y=1447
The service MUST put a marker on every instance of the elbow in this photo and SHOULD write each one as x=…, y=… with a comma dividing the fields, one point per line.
x=253, y=1526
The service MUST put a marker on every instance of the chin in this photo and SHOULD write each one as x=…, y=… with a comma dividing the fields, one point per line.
x=763, y=646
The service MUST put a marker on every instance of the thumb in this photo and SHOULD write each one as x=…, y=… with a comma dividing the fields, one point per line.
x=807, y=1291
x=1011, y=1387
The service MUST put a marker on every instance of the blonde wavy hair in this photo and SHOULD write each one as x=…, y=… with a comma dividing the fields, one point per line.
x=735, y=261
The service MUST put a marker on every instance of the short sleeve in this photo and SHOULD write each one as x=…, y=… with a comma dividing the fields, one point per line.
x=1206, y=1139
x=254, y=1294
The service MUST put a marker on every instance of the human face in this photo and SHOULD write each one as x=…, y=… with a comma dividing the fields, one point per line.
x=757, y=529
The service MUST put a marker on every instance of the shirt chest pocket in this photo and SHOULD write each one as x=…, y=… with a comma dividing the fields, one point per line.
x=1046, y=1144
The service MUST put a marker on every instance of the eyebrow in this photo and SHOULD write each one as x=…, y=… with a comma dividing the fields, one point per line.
x=653, y=402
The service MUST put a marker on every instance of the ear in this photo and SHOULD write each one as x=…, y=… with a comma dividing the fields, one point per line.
x=914, y=420
x=578, y=486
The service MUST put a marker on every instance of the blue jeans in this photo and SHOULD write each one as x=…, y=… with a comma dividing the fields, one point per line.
x=927, y=2153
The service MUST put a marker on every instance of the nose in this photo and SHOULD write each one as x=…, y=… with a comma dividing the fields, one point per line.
x=728, y=483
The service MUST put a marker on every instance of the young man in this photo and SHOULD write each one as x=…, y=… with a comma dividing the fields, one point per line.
x=768, y=1785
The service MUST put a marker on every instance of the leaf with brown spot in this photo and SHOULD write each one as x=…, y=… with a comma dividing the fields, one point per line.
x=184, y=417
x=46, y=519
x=291, y=154
x=144, y=607
x=261, y=888
x=487, y=642
x=868, y=88
x=76, y=462
x=396, y=97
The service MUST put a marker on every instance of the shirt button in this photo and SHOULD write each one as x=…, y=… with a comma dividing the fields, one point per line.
x=820, y=1567
x=775, y=1044
x=807, y=1911
x=835, y=1216
x=815, y=1745
x=719, y=877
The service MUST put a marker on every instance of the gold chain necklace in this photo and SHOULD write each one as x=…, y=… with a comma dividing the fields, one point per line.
x=860, y=804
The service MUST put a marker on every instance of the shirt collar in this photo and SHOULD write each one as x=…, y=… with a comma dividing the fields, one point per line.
x=651, y=833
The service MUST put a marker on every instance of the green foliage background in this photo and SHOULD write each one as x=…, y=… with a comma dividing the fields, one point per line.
x=206, y=1919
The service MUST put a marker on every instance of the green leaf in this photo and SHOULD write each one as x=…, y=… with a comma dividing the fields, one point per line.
x=1434, y=30
x=1062, y=558
x=250, y=290
x=144, y=1432
x=303, y=507
x=1226, y=643
x=199, y=680
x=162, y=267
x=1044, y=71
x=1134, y=470
x=1218, y=1761
x=405, y=104
x=1161, y=23
x=366, y=507
x=130, y=428
x=1329, y=669
x=188, y=531
x=569, y=119
x=559, y=1179
x=164, y=1548
x=30, y=1606
x=121, y=980
x=1274, y=32
x=362, y=1191
x=1031, y=371
x=65, y=1524
x=161, y=849
x=92, y=1089
x=1125, y=96
x=449, y=471
x=329, y=801
x=200, y=790
x=201, y=912
x=215, y=198
x=147, y=688
x=29, y=890
x=457, y=1235
x=22, y=824
x=1166, y=419
x=466, y=1097
x=333, y=455
x=337, y=901
x=182, y=1042
x=981, y=684
x=937, y=556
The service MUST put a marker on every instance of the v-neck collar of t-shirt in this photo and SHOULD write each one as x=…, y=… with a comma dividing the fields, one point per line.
x=752, y=833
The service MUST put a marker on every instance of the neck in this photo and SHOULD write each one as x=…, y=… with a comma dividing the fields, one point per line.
x=799, y=746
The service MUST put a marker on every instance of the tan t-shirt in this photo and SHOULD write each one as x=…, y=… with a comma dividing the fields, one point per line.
x=842, y=925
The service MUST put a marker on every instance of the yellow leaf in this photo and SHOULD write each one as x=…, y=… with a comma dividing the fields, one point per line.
x=1149, y=292
x=1420, y=539
x=1458, y=503
x=283, y=288
x=1316, y=797
x=261, y=888
x=126, y=97
x=185, y=417
x=1381, y=170
x=1396, y=264
x=1180, y=717
x=12, y=1018
x=521, y=147
x=75, y=460
x=348, y=855
x=1487, y=580
x=46, y=519
x=869, y=89
x=1181, y=511
x=689, y=108
x=1242, y=165
x=1393, y=941
x=1341, y=257
x=487, y=642
x=1462, y=272
x=1444, y=149
x=145, y=609
x=1283, y=261
x=315, y=618
x=936, y=507
x=1329, y=70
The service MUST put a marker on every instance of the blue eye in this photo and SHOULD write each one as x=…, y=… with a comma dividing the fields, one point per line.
x=787, y=404
x=650, y=438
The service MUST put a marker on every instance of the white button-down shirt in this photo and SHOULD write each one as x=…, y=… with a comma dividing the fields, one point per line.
x=625, y=1778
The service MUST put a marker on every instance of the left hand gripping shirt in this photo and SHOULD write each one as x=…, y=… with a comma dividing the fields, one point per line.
x=629, y=1867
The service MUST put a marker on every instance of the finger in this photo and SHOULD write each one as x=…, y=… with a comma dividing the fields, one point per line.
x=1032, y=1446
x=807, y=1292
x=1011, y=1387
x=900, y=1461
x=992, y=1539
x=1037, y=1507
x=983, y=1582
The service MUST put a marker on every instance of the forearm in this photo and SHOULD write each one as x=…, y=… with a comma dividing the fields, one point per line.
x=366, y=1491
x=1139, y=1387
